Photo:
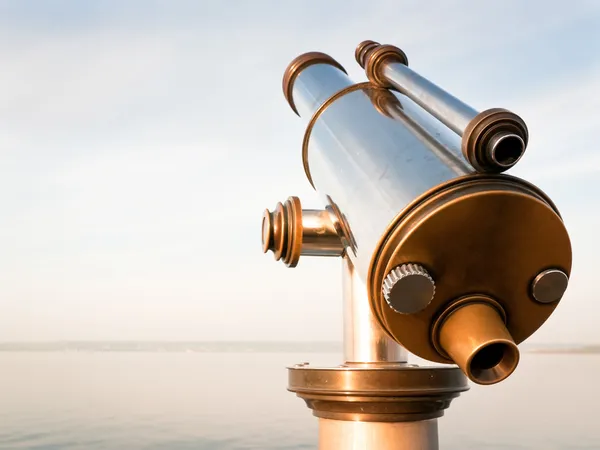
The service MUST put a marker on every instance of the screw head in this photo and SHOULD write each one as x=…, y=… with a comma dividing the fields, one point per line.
x=549, y=286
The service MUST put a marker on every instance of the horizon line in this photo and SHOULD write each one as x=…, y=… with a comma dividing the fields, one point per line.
x=220, y=341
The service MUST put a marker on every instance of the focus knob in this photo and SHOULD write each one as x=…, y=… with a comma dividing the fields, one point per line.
x=408, y=288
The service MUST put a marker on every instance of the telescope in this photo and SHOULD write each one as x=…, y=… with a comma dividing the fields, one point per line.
x=443, y=254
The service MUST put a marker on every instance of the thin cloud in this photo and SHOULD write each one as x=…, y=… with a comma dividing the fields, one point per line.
x=140, y=144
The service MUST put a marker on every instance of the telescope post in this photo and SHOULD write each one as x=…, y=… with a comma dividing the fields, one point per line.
x=375, y=400
x=338, y=434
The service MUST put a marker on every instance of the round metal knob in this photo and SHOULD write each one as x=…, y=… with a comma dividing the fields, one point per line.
x=282, y=231
x=408, y=288
x=549, y=286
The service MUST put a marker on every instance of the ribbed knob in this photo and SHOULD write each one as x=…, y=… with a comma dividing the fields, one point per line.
x=408, y=288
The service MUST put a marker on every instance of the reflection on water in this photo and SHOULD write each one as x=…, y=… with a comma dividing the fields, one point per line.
x=227, y=401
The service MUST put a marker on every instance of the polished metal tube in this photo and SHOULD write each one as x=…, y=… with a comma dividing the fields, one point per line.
x=315, y=84
x=352, y=435
x=366, y=165
x=449, y=110
x=439, y=138
x=492, y=140
x=502, y=150
x=319, y=236
x=364, y=339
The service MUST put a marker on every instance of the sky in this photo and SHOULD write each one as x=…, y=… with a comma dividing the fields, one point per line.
x=140, y=142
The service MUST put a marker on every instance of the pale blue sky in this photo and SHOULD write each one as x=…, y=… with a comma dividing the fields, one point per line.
x=140, y=142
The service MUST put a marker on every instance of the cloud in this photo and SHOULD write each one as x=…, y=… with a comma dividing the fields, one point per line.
x=562, y=120
x=140, y=143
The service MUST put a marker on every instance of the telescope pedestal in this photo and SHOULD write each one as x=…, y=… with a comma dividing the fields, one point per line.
x=377, y=406
x=339, y=434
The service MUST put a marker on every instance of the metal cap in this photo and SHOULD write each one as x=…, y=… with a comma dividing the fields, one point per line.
x=408, y=288
x=549, y=286
x=298, y=65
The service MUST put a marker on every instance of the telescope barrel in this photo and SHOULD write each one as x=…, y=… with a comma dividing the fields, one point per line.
x=493, y=140
x=351, y=150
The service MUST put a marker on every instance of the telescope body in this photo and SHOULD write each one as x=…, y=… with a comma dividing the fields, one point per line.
x=460, y=262
x=443, y=255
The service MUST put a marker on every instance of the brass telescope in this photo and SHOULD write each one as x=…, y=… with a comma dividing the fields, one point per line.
x=443, y=254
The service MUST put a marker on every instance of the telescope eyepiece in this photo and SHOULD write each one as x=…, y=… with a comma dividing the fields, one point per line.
x=494, y=362
x=472, y=332
x=506, y=150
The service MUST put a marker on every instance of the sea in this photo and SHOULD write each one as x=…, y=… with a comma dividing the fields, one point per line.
x=226, y=396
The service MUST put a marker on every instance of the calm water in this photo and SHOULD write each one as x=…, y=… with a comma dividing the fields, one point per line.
x=223, y=401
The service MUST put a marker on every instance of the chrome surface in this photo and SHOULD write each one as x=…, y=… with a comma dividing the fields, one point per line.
x=370, y=167
x=366, y=165
x=319, y=236
x=549, y=286
x=315, y=84
x=452, y=112
x=408, y=288
x=364, y=340
x=352, y=435
x=441, y=140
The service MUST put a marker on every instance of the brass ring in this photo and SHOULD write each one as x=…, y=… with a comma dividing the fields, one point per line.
x=481, y=128
x=297, y=65
x=294, y=231
x=363, y=49
x=374, y=59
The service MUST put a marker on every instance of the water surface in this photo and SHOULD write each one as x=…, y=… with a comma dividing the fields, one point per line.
x=237, y=400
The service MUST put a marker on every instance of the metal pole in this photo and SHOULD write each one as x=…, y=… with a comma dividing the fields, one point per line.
x=366, y=343
x=364, y=340
x=346, y=435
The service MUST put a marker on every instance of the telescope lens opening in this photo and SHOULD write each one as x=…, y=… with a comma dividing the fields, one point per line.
x=494, y=362
x=506, y=149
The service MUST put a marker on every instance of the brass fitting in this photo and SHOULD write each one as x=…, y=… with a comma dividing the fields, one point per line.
x=380, y=393
x=374, y=55
x=297, y=65
x=289, y=231
x=472, y=332
x=480, y=333
x=495, y=140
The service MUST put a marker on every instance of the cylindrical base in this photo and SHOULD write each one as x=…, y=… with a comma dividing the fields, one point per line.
x=346, y=435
